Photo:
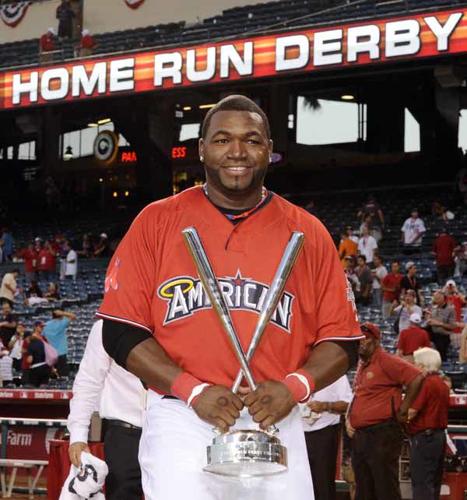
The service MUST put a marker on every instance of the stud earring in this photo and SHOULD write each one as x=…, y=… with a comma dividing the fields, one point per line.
x=201, y=158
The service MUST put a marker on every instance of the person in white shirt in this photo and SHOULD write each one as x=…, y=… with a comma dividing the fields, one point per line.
x=120, y=398
x=9, y=287
x=379, y=272
x=6, y=368
x=71, y=262
x=413, y=230
x=367, y=245
x=321, y=419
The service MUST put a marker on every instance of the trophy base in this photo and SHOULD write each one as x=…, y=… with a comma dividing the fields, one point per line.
x=246, y=453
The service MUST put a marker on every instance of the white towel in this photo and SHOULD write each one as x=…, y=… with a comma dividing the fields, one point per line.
x=85, y=482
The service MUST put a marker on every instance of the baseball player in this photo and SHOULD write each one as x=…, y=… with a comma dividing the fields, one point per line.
x=159, y=324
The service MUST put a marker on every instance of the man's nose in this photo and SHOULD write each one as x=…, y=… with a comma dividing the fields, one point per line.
x=237, y=150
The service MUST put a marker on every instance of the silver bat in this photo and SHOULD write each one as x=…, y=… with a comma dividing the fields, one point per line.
x=273, y=296
x=211, y=285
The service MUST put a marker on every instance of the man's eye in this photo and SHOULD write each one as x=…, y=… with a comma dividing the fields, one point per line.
x=221, y=141
x=253, y=141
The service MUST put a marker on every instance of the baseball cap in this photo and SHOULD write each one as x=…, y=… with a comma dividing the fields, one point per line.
x=103, y=235
x=409, y=264
x=415, y=318
x=450, y=283
x=371, y=330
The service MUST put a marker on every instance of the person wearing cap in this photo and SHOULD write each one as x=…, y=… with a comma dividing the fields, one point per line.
x=441, y=323
x=102, y=247
x=412, y=338
x=39, y=371
x=443, y=250
x=410, y=282
x=87, y=43
x=47, y=44
x=375, y=416
x=428, y=420
x=412, y=232
x=403, y=311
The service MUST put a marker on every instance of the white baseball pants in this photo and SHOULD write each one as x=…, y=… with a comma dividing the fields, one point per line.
x=172, y=455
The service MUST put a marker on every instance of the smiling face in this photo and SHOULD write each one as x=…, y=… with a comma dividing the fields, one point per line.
x=236, y=151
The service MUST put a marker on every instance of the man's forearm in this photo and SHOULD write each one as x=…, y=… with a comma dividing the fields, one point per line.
x=412, y=392
x=150, y=363
x=326, y=363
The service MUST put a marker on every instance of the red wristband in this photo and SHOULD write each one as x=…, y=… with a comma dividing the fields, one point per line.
x=183, y=386
x=301, y=384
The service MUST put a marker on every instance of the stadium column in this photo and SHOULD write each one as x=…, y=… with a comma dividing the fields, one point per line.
x=148, y=124
x=278, y=111
x=49, y=140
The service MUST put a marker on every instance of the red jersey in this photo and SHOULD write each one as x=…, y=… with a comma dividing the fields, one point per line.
x=443, y=247
x=87, y=42
x=392, y=280
x=378, y=388
x=152, y=283
x=411, y=339
x=432, y=404
x=47, y=260
x=31, y=260
x=47, y=42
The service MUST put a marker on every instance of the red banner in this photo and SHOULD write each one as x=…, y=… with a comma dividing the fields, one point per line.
x=39, y=394
x=27, y=442
x=368, y=42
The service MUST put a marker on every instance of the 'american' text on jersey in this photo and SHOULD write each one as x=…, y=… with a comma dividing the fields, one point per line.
x=186, y=295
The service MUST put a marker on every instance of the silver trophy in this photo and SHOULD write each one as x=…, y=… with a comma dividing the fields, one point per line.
x=244, y=452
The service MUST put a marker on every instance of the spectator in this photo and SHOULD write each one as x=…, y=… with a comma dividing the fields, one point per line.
x=47, y=261
x=428, y=420
x=102, y=247
x=441, y=323
x=366, y=280
x=39, y=371
x=47, y=44
x=34, y=290
x=412, y=338
x=456, y=299
x=443, y=249
x=373, y=209
x=463, y=347
x=347, y=247
x=86, y=247
x=55, y=333
x=53, y=292
x=322, y=434
x=16, y=345
x=413, y=230
x=65, y=15
x=460, y=260
x=404, y=310
x=7, y=324
x=410, y=282
x=349, y=270
x=71, y=262
x=378, y=273
x=8, y=244
x=87, y=44
x=351, y=236
x=6, y=368
x=441, y=212
x=376, y=414
x=367, y=245
x=391, y=286
x=9, y=287
x=31, y=260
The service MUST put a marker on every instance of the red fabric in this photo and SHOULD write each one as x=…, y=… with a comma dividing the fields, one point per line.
x=47, y=42
x=183, y=386
x=392, y=280
x=59, y=465
x=432, y=404
x=413, y=338
x=300, y=391
x=152, y=283
x=443, y=246
x=376, y=385
x=87, y=42
x=30, y=258
x=47, y=260
x=458, y=304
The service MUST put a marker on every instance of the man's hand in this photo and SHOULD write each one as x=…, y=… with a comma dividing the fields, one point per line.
x=218, y=406
x=402, y=416
x=318, y=406
x=74, y=452
x=272, y=401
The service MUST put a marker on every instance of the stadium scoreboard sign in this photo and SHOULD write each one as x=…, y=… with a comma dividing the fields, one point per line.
x=305, y=51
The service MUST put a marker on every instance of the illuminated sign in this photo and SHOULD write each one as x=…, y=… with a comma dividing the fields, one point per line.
x=306, y=51
x=128, y=157
x=179, y=152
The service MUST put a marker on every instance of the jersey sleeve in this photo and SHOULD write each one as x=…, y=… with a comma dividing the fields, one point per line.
x=335, y=310
x=130, y=278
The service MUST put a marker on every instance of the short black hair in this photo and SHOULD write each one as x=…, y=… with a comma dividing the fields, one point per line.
x=235, y=102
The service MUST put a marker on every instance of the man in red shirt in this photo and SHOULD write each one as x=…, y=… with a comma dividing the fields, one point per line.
x=428, y=419
x=412, y=338
x=31, y=261
x=47, y=44
x=47, y=261
x=391, y=285
x=375, y=416
x=443, y=249
x=456, y=299
x=87, y=43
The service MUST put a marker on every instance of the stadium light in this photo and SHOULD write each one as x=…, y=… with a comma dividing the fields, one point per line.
x=68, y=154
x=115, y=194
x=104, y=121
x=347, y=97
x=92, y=125
x=187, y=108
x=206, y=106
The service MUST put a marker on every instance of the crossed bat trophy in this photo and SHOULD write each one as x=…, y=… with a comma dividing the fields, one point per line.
x=244, y=453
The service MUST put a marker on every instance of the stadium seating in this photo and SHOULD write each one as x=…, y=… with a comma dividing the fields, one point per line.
x=235, y=21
